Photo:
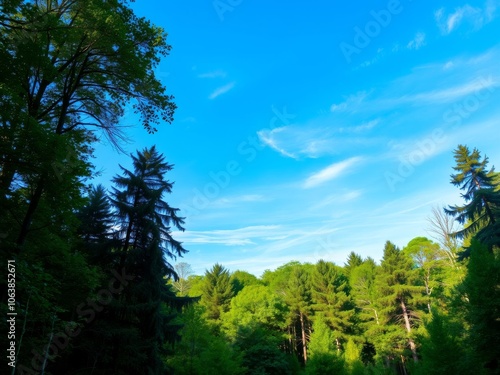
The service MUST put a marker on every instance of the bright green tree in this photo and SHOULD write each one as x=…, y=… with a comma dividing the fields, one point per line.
x=400, y=298
x=331, y=297
x=217, y=291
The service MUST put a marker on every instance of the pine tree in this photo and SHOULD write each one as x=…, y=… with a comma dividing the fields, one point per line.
x=481, y=213
x=145, y=221
x=331, y=298
x=298, y=298
x=399, y=297
x=217, y=291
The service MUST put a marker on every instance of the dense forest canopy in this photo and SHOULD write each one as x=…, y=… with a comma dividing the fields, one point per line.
x=96, y=282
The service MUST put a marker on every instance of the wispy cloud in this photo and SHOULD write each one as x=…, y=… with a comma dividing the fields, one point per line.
x=228, y=237
x=313, y=141
x=222, y=90
x=417, y=42
x=268, y=137
x=477, y=17
x=351, y=102
x=331, y=172
x=233, y=200
x=452, y=93
x=213, y=74
x=360, y=128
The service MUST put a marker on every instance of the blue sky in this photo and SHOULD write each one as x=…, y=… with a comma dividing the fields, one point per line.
x=309, y=130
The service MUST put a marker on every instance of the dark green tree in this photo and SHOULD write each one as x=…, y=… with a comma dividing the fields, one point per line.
x=145, y=220
x=480, y=186
x=78, y=64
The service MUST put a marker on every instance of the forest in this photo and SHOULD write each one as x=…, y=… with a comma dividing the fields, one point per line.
x=94, y=281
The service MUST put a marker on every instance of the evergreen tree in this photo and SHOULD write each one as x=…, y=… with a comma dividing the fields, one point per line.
x=482, y=209
x=145, y=221
x=298, y=299
x=331, y=298
x=399, y=297
x=353, y=260
x=217, y=291
x=480, y=300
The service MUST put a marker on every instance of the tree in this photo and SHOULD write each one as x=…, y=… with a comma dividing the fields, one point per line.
x=78, y=64
x=182, y=285
x=482, y=208
x=330, y=295
x=298, y=298
x=480, y=292
x=217, y=291
x=145, y=221
x=353, y=260
x=399, y=297
x=426, y=258
x=441, y=226
x=241, y=279
x=323, y=354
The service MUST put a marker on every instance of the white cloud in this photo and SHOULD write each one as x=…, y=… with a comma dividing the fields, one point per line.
x=477, y=17
x=331, y=172
x=417, y=42
x=351, y=102
x=232, y=200
x=313, y=141
x=221, y=90
x=228, y=237
x=213, y=74
x=268, y=137
x=360, y=128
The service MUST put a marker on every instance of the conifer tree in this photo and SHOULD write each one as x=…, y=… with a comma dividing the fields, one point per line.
x=481, y=213
x=331, y=298
x=217, y=291
x=399, y=297
x=145, y=221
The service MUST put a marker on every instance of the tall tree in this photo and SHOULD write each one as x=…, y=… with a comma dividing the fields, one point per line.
x=78, y=64
x=298, y=298
x=145, y=221
x=331, y=297
x=481, y=212
x=399, y=297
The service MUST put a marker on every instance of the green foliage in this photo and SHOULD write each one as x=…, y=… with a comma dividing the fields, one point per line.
x=331, y=297
x=241, y=279
x=217, y=291
x=261, y=352
x=256, y=304
x=442, y=348
x=481, y=289
x=200, y=351
x=482, y=197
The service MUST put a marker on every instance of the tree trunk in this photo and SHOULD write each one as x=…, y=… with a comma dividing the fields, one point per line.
x=28, y=218
x=302, y=327
x=413, y=347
